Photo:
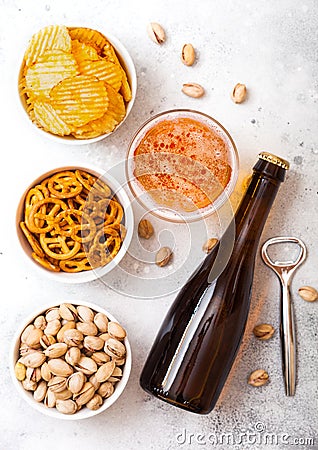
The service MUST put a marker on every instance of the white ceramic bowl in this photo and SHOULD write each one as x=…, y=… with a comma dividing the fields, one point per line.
x=88, y=275
x=129, y=67
x=84, y=413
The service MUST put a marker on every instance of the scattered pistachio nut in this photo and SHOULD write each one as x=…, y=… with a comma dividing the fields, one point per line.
x=70, y=357
x=156, y=33
x=258, y=378
x=239, y=93
x=194, y=90
x=263, y=331
x=145, y=229
x=308, y=293
x=188, y=54
x=163, y=256
x=209, y=245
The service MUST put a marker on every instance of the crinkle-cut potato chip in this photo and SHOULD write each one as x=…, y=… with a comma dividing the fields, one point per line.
x=48, y=119
x=79, y=100
x=103, y=70
x=52, y=37
x=50, y=68
x=89, y=37
x=125, y=88
x=114, y=115
x=82, y=51
x=110, y=55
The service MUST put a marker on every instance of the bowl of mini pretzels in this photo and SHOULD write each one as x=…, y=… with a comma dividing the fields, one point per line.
x=75, y=223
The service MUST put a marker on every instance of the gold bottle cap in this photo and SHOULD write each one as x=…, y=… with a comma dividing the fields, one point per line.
x=274, y=159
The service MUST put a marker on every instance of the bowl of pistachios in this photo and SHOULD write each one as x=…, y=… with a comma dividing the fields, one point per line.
x=70, y=360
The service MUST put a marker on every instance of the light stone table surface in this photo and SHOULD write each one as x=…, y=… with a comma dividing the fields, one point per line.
x=271, y=46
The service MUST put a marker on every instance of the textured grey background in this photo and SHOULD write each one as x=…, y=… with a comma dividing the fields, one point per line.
x=272, y=47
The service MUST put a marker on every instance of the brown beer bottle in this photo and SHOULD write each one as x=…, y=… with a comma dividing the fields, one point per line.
x=197, y=343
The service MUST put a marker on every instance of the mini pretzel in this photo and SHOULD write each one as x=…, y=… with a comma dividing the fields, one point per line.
x=106, y=245
x=64, y=185
x=76, y=264
x=45, y=263
x=93, y=183
x=72, y=223
x=32, y=241
x=82, y=224
x=36, y=212
x=65, y=249
x=107, y=211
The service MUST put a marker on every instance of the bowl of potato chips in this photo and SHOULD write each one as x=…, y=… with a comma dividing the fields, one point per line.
x=75, y=223
x=75, y=84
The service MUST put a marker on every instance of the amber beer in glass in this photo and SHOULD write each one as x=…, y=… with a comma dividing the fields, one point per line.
x=198, y=340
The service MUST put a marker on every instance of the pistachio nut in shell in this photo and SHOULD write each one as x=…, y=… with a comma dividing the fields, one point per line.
x=40, y=322
x=94, y=381
x=86, y=365
x=34, y=337
x=188, y=54
x=67, y=326
x=35, y=359
x=85, y=314
x=57, y=384
x=73, y=355
x=101, y=321
x=34, y=374
x=66, y=406
x=59, y=367
x=105, y=371
x=114, y=348
x=263, y=331
x=116, y=331
x=156, y=33
x=73, y=337
x=26, y=332
x=76, y=382
x=53, y=327
x=93, y=343
x=63, y=395
x=40, y=392
x=56, y=350
x=106, y=389
x=209, y=245
x=239, y=93
x=163, y=256
x=52, y=314
x=26, y=350
x=100, y=357
x=68, y=312
x=29, y=385
x=95, y=402
x=20, y=371
x=258, y=378
x=308, y=293
x=87, y=328
x=45, y=372
x=194, y=90
x=50, y=399
x=47, y=340
x=85, y=394
x=145, y=229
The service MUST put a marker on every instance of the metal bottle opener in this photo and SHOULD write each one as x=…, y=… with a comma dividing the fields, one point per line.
x=285, y=270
